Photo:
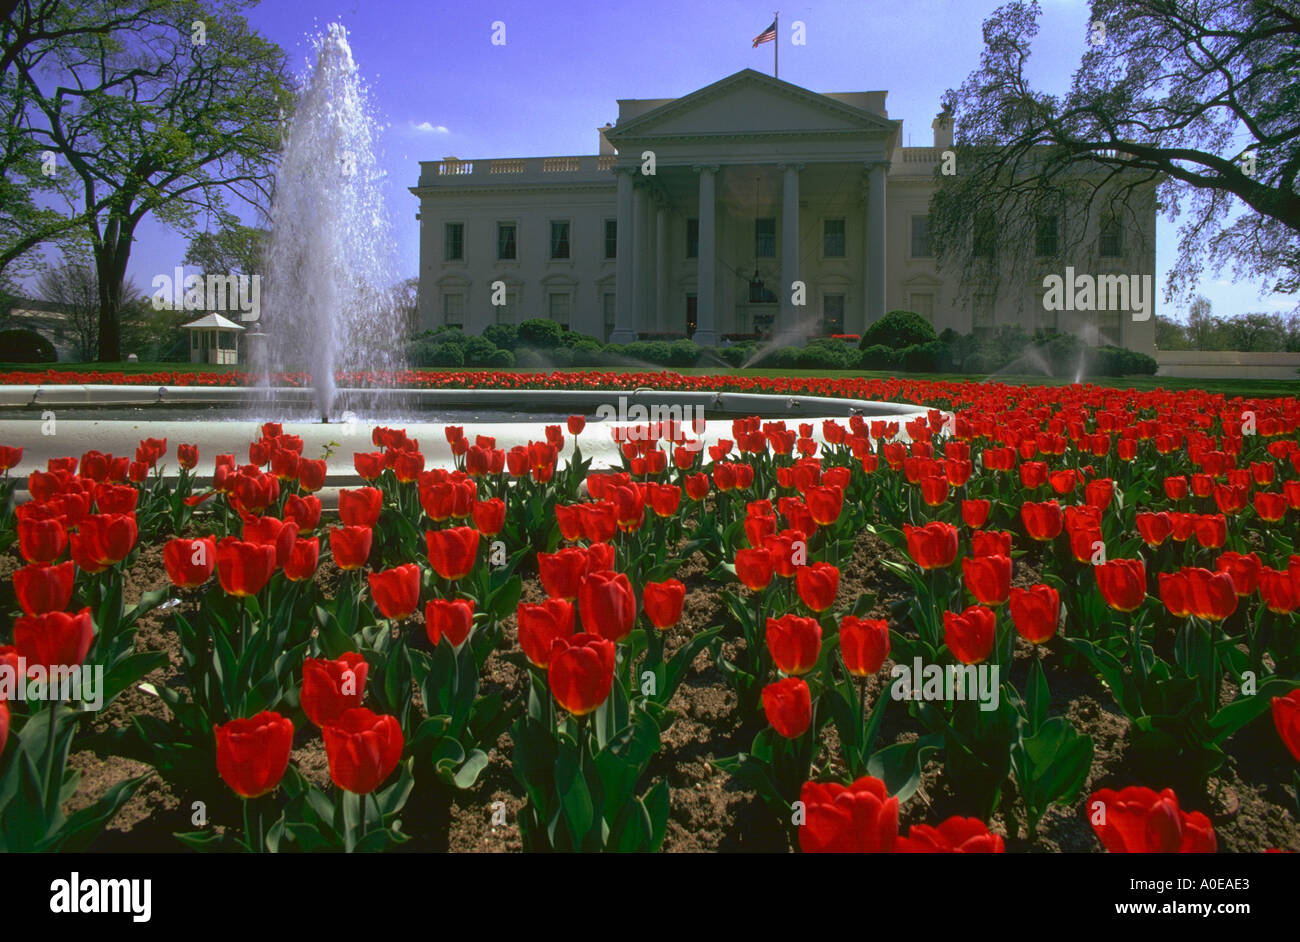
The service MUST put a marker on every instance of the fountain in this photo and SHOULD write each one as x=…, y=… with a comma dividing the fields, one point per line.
x=328, y=300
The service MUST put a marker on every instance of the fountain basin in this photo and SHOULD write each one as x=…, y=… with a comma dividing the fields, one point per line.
x=226, y=419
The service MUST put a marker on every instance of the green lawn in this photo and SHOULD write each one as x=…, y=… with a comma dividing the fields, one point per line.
x=1228, y=387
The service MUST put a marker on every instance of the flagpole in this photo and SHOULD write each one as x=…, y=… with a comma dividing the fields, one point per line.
x=776, y=45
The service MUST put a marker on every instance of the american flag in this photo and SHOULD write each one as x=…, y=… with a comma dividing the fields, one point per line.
x=768, y=35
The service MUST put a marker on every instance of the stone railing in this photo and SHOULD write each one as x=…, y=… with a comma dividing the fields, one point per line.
x=593, y=168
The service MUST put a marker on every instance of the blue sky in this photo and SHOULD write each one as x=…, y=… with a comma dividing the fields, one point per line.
x=441, y=87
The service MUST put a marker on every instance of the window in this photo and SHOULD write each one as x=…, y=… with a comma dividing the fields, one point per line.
x=921, y=237
x=923, y=304
x=833, y=238
x=559, y=239
x=1112, y=239
x=507, y=249
x=1046, y=237
x=453, y=309
x=692, y=238
x=982, y=313
x=986, y=236
x=692, y=312
x=611, y=238
x=558, y=308
x=455, y=242
x=1108, y=326
x=833, y=313
x=760, y=293
x=765, y=238
x=607, y=302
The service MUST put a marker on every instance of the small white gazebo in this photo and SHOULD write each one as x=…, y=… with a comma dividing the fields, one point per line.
x=214, y=339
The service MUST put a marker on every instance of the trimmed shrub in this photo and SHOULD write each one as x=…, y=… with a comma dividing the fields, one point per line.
x=478, y=351
x=502, y=336
x=539, y=333
x=501, y=358
x=932, y=357
x=878, y=357
x=1117, y=361
x=898, y=330
x=980, y=363
x=820, y=356
x=25, y=346
x=683, y=353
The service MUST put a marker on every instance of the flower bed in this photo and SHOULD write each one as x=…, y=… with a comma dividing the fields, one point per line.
x=1057, y=618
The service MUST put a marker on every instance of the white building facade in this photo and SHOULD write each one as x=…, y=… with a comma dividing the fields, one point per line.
x=749, y=207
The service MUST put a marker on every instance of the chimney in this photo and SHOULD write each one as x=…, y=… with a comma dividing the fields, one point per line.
x=606, y=148
x=942, y=125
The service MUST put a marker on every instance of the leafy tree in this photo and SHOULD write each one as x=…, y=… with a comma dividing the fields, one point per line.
x=1197, y=102
x=159, y=115
x=1170, y=334
x=232, y=250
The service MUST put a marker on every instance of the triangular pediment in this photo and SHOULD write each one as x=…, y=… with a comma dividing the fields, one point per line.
x=749, y=102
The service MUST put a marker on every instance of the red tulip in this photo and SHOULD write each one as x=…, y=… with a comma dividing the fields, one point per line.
x=187, y=456
x=1210, y=594
x=452, y=619
x=561, y=572
x=1154, y=528
x=824, y=504
x=360, y=507
x=860, y=818
x=663, y=602
x=581, y=672
x=42, y=588
x=697, y=486
x=1176, y=487
x=817, y=585
x=540, y=626
x=1270, y=506
x=794, y=642
x=864, y=644
x=576, y=424
x=971, y=634
x=350, y=546
x=1036, y=612
x=788, y=706
x=988, y=578
x=933, y=546
x=332, y=687
x=957, y=835
x=1211, y=530
x=244, y=568
x=490, y=516
x=363, y=749
x=253, y=754
x=1099, y=493
x=991, y=543
x=1123, y=583
x=189, y=562
x=1175, y=593
x=1281, y=593
x=268, y=531
x=104, y=540
x=754, y=568
x=311, y=474
x=396, y=591
x=452, y=552
x=1042, y=521
x=54, y=639
x=9, y=458
x=607, y=605
x=975, y=512
x=1286, y=717
x=1137, y=820
x=41, y=541
x=1243, y=568
x=304, y=512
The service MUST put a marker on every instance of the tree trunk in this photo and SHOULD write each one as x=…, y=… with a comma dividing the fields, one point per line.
x=110, y=268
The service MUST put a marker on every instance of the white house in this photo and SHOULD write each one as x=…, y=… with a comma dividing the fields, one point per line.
x=701, y=214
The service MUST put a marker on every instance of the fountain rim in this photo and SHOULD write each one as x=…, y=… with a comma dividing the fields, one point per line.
x=768, y=405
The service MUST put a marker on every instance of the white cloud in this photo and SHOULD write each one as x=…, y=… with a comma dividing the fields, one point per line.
x=424, y=127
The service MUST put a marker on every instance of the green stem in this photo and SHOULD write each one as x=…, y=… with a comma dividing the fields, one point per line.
x=51, y=787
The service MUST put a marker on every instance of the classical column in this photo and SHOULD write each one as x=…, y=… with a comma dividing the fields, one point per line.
x=789, y=316
x=642, y=279
x=876, y=241
x=661, y=267
x=623, y=330
x=706, y=334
